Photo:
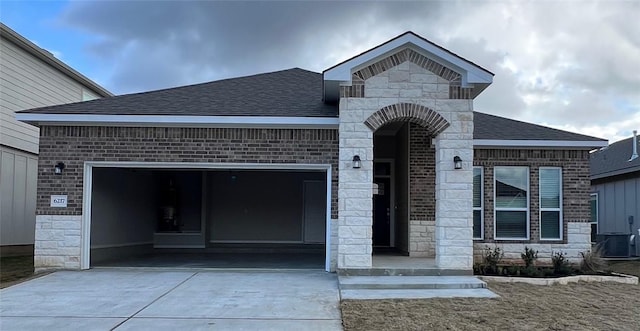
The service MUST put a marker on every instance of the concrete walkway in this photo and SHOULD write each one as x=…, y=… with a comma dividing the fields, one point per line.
x=173, y=300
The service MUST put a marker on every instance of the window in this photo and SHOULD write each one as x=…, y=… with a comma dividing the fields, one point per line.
x=511, y=203
x=550, y=203
x=478, y=197
x=594, y=216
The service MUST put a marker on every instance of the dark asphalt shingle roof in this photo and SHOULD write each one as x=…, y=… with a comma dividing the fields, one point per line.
x=488, y=126
x=292, y=92
x=614, y=159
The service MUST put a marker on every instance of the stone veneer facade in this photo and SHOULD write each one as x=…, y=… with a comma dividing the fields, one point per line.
x=407, y=91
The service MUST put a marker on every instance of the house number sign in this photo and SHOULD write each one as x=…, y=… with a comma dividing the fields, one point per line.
x=59, y=201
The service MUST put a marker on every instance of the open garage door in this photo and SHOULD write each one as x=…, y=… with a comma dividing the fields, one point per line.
x=146, y=216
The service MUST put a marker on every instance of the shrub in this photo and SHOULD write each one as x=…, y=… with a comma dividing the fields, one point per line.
x=560, y=263
x=529, y=257
x=491, y=258
x=592, y=261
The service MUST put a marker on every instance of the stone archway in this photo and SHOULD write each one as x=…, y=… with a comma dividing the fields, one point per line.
x=408, y=112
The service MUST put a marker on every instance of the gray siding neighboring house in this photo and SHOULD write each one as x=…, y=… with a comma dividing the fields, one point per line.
x=29, y=77
x=615, y=190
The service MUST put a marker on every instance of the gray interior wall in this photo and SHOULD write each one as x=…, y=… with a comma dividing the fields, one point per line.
x=246, y=206
x=402, y=189
x=18, y=180
x=616, y=202
x=123, y=207
x=314, y=211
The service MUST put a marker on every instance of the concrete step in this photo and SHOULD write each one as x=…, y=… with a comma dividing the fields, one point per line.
x=368, y=294
x=409, y=282
x=404, y=272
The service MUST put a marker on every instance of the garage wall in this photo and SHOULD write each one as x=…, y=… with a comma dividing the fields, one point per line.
x=265, y=206
x=123, y=207
x=75, y=145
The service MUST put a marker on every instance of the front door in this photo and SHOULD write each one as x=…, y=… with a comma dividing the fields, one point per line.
x=382, y=212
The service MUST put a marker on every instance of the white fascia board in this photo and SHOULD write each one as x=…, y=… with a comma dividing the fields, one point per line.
x=538, y=143
x=180, y=121
x=474, y=74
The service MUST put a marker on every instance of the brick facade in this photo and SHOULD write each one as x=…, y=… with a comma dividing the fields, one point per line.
x=575, y=185
x=575, y=191
x=422, y=190
x=422, y=178
x=425, y=117
x=75, y=145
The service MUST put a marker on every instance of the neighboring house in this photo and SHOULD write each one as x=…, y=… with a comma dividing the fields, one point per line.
x=615, y=191
x=380, y=153
x=29, y=77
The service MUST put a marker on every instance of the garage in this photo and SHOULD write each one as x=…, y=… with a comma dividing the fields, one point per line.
x=206, y=215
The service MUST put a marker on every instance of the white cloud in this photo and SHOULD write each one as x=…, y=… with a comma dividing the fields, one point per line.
x=572, y=65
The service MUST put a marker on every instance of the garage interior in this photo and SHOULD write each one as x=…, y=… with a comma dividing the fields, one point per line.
x=208, y=218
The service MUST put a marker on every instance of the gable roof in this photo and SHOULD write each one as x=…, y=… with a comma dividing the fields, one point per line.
x=471, y=74
x=44, y=55
x=614, y=159
x=293, y=92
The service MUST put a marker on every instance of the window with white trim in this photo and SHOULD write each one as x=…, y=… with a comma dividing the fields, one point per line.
x=550, y=189
x=478, y=203
x=594, y=216
x=511, y=203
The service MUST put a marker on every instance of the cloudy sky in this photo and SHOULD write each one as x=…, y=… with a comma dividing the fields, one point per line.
x=573, y=65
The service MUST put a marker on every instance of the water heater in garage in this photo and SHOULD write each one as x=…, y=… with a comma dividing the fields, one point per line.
x=169, y=209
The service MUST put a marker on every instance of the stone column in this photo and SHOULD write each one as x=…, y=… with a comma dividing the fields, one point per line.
x=454, y=188
x=355, y=196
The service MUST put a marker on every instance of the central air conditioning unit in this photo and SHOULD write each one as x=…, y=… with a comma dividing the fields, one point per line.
x=614, y=244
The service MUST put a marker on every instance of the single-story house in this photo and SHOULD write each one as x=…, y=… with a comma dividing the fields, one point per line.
x=615, y=197
x=380, y=154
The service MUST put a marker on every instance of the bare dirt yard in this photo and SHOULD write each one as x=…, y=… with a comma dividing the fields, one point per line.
x=581, y=306
x=16, y=269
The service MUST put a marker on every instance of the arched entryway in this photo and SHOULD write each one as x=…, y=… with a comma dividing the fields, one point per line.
x=404, y=178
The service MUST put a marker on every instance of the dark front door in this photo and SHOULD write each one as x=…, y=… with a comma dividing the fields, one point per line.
x=382, y=212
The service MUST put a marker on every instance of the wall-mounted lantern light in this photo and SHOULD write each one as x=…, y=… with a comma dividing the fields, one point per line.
x=58, y=168
x=356, y=162
x=457, y=162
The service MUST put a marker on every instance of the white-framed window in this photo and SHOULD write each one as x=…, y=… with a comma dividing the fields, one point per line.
x=511, y=203
x=550, y=189
x=594, y=216
x=478, y=203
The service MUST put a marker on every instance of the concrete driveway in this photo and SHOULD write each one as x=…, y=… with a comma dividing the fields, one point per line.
x=173, y=300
